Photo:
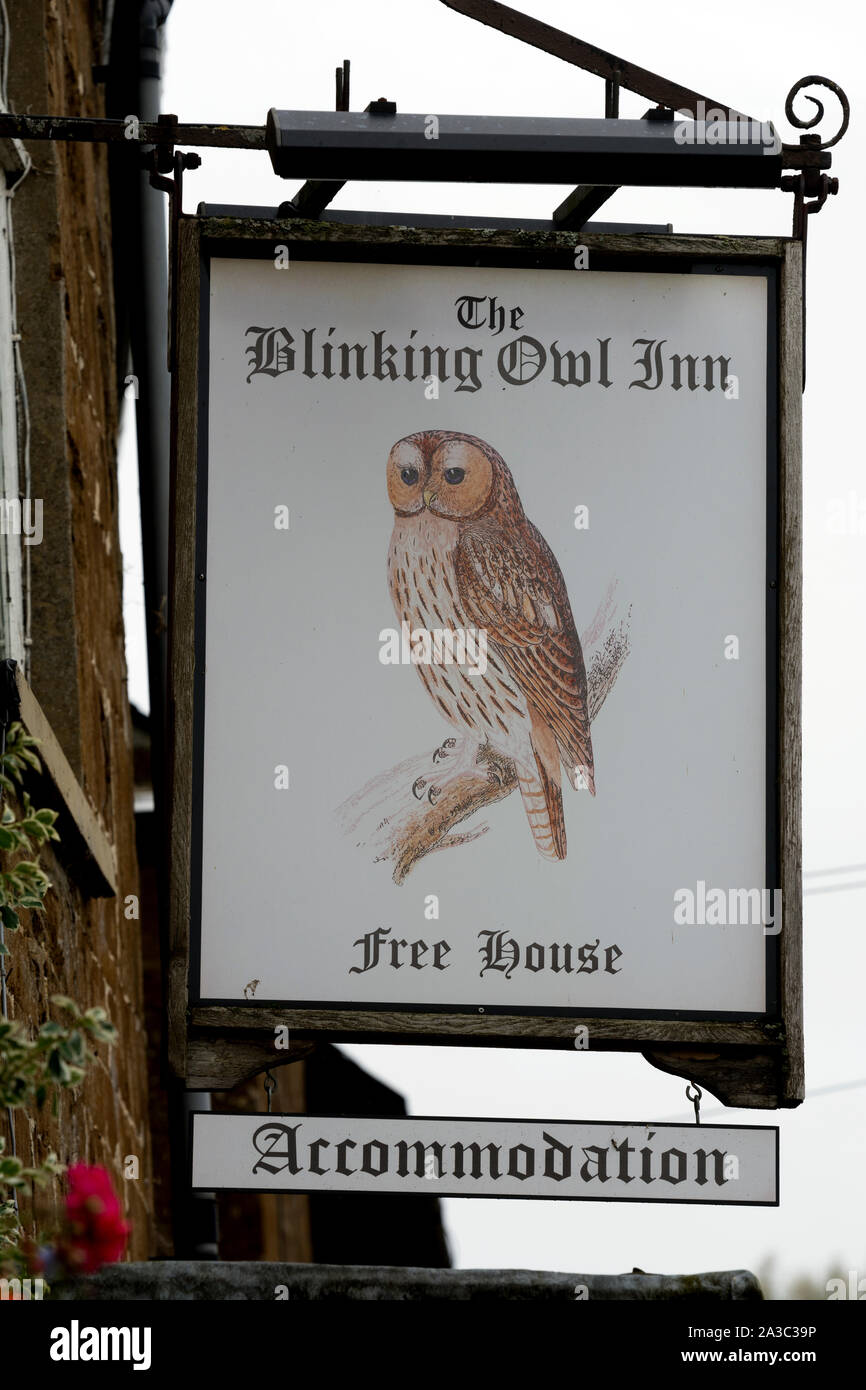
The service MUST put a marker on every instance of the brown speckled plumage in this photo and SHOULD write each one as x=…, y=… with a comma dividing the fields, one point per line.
x=464, y=555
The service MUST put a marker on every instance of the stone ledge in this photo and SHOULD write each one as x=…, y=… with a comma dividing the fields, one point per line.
x=258, y=1281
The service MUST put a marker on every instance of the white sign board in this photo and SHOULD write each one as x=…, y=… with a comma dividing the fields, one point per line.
x=480, y=666
x=565, y=1160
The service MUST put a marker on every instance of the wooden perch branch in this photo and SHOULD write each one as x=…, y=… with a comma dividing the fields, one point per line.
x=412, y=809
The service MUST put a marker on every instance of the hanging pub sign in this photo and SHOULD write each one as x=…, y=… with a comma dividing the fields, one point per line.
x=586, y=1160
x=485, y=642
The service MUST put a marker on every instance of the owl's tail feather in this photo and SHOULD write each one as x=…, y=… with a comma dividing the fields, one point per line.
x=577, y=761
x=542, y=801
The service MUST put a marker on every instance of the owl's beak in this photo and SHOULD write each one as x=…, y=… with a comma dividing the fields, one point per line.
x=429, y=496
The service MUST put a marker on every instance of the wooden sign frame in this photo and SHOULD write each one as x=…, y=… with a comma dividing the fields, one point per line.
x=750, y=1062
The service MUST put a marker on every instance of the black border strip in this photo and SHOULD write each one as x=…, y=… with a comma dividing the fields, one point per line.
x=259, y=248
x=200, y=617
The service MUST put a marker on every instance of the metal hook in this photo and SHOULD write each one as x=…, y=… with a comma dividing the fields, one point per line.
x=270, y=1086
x=695, y=1097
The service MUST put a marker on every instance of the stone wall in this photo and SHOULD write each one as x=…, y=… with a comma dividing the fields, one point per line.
x=190, y=1280
x=83, y=946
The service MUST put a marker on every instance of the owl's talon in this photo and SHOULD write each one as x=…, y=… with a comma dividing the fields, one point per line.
x=444, y=749
x=500, y=770
x=433, y=795
x=418, y=787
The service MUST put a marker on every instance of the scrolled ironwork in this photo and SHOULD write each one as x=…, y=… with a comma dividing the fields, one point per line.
x=801, y=124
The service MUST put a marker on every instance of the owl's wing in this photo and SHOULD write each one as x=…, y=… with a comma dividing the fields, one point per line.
x=510, y=584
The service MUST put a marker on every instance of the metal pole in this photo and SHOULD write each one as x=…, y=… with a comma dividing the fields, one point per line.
x=194, y=1218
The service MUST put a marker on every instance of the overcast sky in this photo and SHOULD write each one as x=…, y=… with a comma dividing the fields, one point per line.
x=228, y=62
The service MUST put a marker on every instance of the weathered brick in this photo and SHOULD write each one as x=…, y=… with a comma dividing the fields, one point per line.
x=80, y=946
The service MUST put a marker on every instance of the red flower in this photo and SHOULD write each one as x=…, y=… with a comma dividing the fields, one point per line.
x=94, y=1232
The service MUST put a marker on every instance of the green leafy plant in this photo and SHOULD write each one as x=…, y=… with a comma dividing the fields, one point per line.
x=56, y=1058
x=15, y=1257
x=22, y=884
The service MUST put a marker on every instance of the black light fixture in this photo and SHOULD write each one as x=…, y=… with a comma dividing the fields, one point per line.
x=661, y=149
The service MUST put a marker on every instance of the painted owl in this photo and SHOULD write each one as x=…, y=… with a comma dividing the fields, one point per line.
x=463, y=555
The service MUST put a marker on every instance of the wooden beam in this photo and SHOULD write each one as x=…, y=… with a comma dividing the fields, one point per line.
x=598, y=61
x=495, y=1029
x=216, y=1063
x=84, y=843
x=313, y=197
x=788, y=714
x=749, y=1077
x=580, y=205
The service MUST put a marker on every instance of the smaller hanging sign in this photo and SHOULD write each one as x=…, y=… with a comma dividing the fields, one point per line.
x=583, y=1160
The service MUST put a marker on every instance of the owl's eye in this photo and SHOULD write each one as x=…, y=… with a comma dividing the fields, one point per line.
x=455, y=475
x=409, y=476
